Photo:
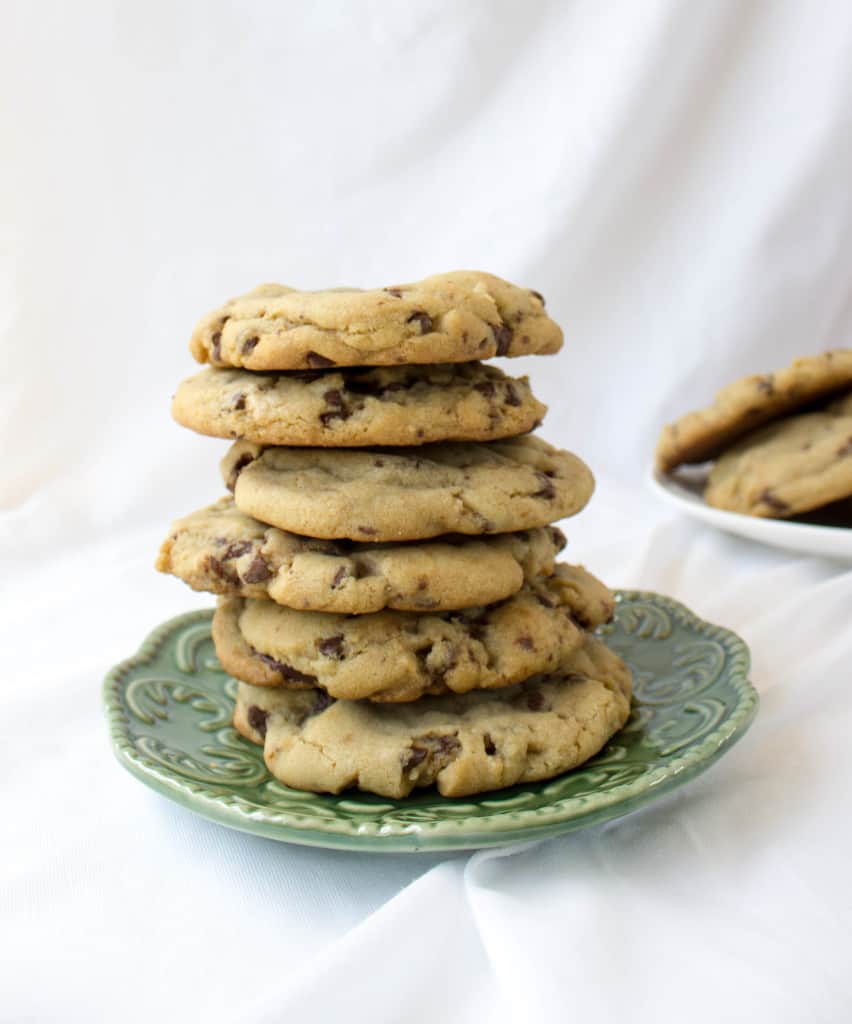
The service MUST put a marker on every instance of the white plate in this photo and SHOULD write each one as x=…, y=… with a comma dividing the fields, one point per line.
x=684, y=488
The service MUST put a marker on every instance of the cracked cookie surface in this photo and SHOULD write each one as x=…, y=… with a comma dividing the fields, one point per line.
x=449, y=318
x=408, y=494
x=398, y=405
x=224, y=551
x=792, y=466
x=399, y=656
x=472, y=743
x=749, y=403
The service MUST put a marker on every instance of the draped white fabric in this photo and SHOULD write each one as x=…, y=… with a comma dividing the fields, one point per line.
x=675, y=179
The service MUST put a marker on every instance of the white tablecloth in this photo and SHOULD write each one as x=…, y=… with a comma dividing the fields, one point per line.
x=675, y=178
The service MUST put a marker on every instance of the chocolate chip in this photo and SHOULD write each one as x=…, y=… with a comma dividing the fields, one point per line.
x=446, y=744
x=422, y=583
x=221, y=571
x=397, y=294
x=329, y=417
x=315, y=359
x=289, y=673
x=558, y=537
x=512, y=396
x=321, y=701
x=334, y=397
x=250, y=344
x=258, y=571
x=423, y=319
x=544, y=600
x=340, y=576
x=485, y=387
x=503, y=337
x=294, y=675
x=305, y=376
x=439, y=749
x=547, y=489
x=216, y=345
x=368, y=531
x=257, y=719
x=416, y=756
x=237, y=468
x=378, y=463
x=538, y=295
x=845, y=449
x=535, y=700
x=331, y=646
x=488, y=743
x=237, y=548
x=766, y=384
x=525, y=642
x=774, y=502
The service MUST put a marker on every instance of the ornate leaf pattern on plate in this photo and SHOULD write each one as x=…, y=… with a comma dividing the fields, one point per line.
x=169, y=709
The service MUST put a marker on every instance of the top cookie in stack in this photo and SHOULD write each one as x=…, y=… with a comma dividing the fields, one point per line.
x=448, y=318
x=389, y=535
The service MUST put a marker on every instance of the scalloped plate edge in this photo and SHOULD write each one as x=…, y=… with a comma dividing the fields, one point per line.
x=451, y=833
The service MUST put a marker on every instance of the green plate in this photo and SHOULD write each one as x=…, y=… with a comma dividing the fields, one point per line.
x=169, y=710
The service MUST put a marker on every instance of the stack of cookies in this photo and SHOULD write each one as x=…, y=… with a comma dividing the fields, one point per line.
x=782, y=441
x=391, y=601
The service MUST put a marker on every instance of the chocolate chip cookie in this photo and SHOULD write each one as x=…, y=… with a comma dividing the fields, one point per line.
x=747, y=404
x=448, y=318
x=408, y=493
x=790, y=466
x=399, y=656
x=393, y=405
x=224, y=551
x=466, y=744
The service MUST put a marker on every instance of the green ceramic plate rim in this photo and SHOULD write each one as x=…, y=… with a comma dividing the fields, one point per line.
x=510, y=826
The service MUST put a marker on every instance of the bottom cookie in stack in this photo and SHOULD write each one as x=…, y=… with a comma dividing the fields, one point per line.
x=463, y=743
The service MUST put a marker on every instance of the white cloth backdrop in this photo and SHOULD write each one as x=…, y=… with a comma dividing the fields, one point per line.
x=675, y=178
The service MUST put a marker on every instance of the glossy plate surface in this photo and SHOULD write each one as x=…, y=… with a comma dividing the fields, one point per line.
x=169, y=710
x=826, y=532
